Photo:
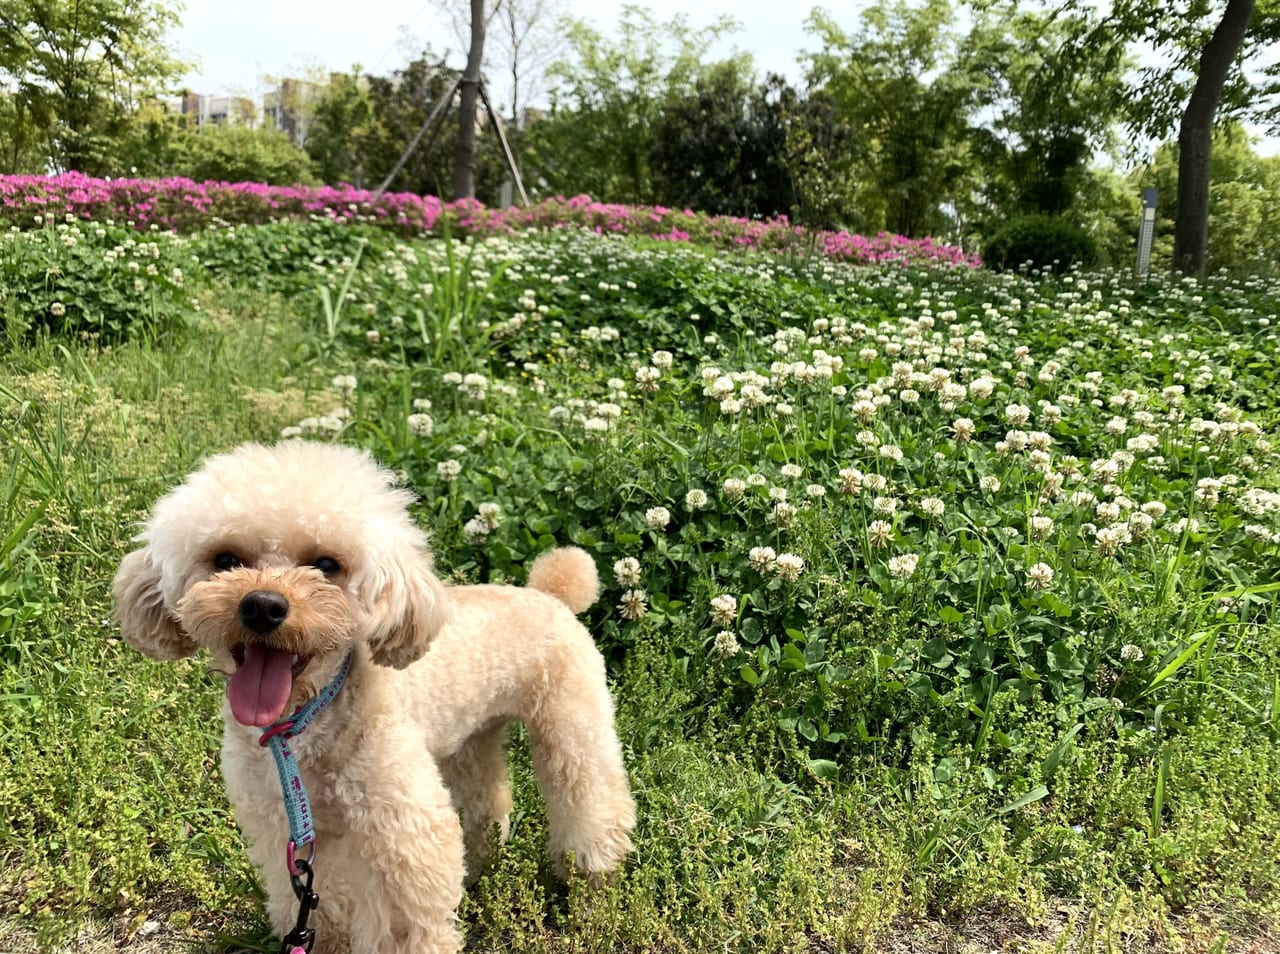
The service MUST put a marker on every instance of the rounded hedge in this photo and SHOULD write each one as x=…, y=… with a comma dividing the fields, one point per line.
x=1044, y=241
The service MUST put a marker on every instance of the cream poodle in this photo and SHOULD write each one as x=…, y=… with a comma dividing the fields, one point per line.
x=286, y=561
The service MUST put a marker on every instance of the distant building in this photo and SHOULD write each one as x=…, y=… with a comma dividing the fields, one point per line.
x=289, y=108
x=219, y=111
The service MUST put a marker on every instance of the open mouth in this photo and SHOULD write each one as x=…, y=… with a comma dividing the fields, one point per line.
x=259, y=689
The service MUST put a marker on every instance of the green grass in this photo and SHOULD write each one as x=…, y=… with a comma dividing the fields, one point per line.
x=877, y=754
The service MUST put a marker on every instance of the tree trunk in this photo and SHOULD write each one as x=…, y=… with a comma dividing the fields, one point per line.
x=1195, y=138
x=464, y=163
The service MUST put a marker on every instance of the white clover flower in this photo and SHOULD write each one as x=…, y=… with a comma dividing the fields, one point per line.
x=57, y=309
x=695, y=499
x=757, y=480
x=903, y=566
x=791, y=471
x=815, y=491
x=633, y=604
x=850, y=480
x=762, y=559
x=724, y=610
x=788, y=566
x=989, y=483
x=1131, y=653
x=783, y=514
x=733, y=488
x=1041, y=527
x=476, y=530
x=1040, y=576
x=491, y=514
x=657, y=517
x=345, y=385
x=291, y=431
x=451, y=378
x=662, y=360
x=891, y=452
x=885, y=505
x=879, y=533
x=1017, y=415
x=1107, y=511
x=474, y=386
x=1108, y=540
x=982, y=388
x=627, y=571
x=1154, y=509
x=777, y=494
x=420, y=425
x=932, y=507
x=726, y=644
x=596, y=428
x=647, y=378
x=421, y=404
x=448, y=470
x=963, y=429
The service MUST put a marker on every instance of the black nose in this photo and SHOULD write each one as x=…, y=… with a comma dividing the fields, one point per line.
x=263, y=610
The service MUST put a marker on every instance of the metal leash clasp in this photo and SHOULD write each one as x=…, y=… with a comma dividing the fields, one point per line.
x=300, y=939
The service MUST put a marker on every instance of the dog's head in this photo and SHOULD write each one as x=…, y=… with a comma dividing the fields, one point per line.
x=280, y=560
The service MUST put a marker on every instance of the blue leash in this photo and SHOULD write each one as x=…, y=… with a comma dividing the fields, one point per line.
x=298, y=807
x=276, y=738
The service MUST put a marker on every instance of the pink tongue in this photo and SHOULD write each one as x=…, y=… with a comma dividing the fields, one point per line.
x=260, y=688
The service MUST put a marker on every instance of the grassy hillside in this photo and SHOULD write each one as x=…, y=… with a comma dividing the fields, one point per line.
x=939, y=605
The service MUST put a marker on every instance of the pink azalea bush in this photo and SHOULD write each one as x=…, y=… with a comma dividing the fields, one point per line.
x=185, y=206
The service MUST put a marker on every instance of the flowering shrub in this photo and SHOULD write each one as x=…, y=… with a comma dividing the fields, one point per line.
x=185, y=206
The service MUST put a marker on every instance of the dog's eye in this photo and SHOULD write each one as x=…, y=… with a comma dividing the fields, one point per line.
x=226, y=561
x=326, y=565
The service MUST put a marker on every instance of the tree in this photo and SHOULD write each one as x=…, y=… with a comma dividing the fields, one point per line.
x=464, y=165
x=894, y=83
x=341, y=133
x=719, y=147
x=1243, y=210
x=20, y=140
x=1198, y=81
x=606, y=98
x=82, y=68
x=1038, y=125
x=522, y=39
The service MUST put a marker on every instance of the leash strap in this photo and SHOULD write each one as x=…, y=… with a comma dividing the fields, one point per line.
x=276, y=737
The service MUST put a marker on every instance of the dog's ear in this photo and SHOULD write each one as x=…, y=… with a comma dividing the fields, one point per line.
x=408, y=606
x=140, y=610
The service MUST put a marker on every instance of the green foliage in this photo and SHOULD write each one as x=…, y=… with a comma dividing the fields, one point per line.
x=895, y=83
x=607, y=99
x=238, y=154
x=92, y=280
x=722, y=146
x=1046, y=120
x=82, y=71
x=1244, y=224
x=1042, y=241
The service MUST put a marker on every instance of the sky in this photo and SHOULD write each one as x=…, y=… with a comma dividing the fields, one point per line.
x=238, y=44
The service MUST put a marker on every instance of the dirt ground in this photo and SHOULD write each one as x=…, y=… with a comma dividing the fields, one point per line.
x=1065, y=928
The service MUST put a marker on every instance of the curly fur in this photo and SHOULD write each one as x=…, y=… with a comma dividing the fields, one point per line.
x=406, y=770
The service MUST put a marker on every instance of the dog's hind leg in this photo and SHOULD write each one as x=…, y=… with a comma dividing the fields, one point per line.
x=578, y=762
x=480, y=788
